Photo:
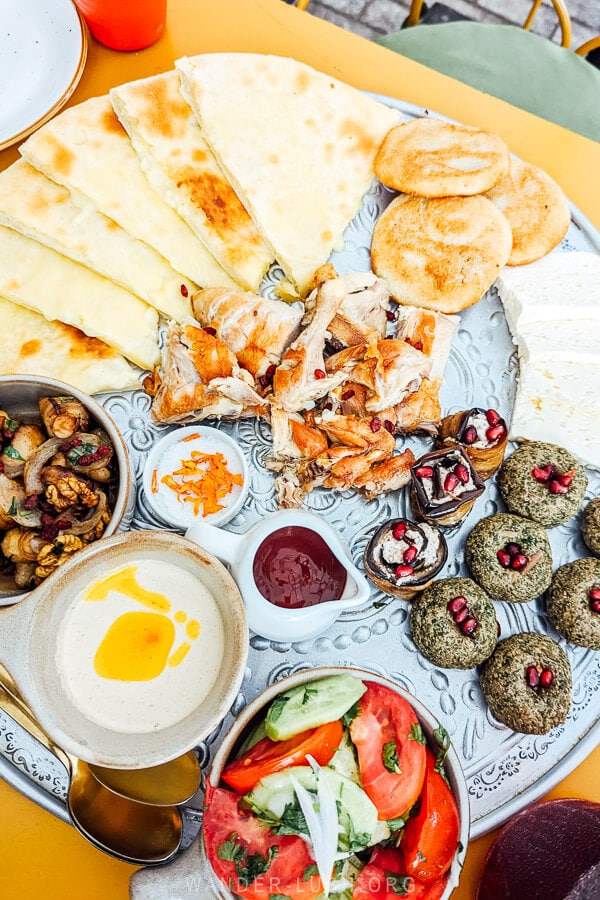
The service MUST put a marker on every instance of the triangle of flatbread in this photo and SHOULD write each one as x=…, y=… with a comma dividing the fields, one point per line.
x=182, y=169
x=31, y=345
x=41, y=279
x=297, y=145
x=43, y=210
x=86, y=149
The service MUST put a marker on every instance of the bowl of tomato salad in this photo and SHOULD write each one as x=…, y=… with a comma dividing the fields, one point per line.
x=334, y=783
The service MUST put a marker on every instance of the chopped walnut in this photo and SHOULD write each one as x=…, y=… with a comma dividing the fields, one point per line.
x=51, y=556
x=68, y=491
x=97, y=531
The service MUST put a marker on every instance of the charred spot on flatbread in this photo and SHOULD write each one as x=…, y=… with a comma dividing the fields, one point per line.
x=441, y=254
x=431, y=158
x=536, y=209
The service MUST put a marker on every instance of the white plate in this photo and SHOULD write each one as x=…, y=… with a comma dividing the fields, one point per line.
x=43, y=48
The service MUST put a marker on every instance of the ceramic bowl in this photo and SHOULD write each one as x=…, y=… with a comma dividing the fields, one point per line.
x=193, y=866
x=19, y=396
x=91, y=710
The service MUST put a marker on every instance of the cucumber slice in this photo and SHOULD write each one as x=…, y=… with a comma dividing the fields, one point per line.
x=312, y=704
x=274, y=800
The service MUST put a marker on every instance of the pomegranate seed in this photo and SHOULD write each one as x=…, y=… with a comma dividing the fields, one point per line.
x=389, y=426
x=210, y=330
x=542, y=474
x=469, y=626
x=470, y=435
x=403, y=571
x=557, y=488
x=270, y=373
x=566, y=478
x=409, y=555
x=418, y=345
x=513, y=549
x=9, y=434
x=347, y=395
x=62, y=524
x=532, y=677
x=455, y=605
x=184, y=290
x=461, y=472
x=593, y=595
x=1, y=467
x=519, y=561
x=461, y=615
x=399, y=531
x=328, y=407
x=546, y=678
x=263, y=381
x=595, y=606
x=451, y=482
x=375, y=424
x=424, y=472
x=390, y=316
x=319, y=373
x=103, y=451
x=503, y=558
x=495, y=432
x=31, y=502
x=85, y=460
x=492, y=416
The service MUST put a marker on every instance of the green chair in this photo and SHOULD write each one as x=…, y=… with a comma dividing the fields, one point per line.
x=510, y=63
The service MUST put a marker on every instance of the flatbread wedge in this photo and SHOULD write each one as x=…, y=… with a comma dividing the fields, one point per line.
x=86, y=149
x=41, y=279
x=182, y=169
x=43, y=210
x=297, y=146
x=31, y=345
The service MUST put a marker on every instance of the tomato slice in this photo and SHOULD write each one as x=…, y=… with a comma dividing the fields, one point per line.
x=269, y=756
x=385, y=878
x=387, y=735
x=430, y=838
x=252, y=861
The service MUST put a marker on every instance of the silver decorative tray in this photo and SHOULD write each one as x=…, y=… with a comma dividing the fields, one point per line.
x=504, y=770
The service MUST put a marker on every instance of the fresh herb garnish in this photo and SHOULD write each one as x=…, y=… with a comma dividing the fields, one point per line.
x=12, y=453
x=416, y=734
x=80, y=450
x=309, y=871
x=248, y=866
x=351, y=714
x=442, y=739
x=13, y=508
x=389, y=757
x=276, y=707
x=399, y=884
x=307, y=694
x=396, y=824
x=420, y=857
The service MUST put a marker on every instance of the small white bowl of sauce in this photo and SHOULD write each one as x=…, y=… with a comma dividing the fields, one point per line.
x=196, y=473
x=293, y=570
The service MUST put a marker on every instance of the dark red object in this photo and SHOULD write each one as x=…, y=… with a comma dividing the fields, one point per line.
x=294, y=568
x=550, y=850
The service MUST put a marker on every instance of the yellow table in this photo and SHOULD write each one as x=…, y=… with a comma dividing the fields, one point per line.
x=41, y=856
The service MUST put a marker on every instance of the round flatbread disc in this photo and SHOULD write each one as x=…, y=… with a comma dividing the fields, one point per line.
x=431, y=158
x=440, y=254
x=536, y=209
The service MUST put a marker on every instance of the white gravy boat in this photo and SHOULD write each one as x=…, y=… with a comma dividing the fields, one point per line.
x=274, y=622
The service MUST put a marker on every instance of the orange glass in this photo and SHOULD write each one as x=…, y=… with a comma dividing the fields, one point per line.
x=125, y=24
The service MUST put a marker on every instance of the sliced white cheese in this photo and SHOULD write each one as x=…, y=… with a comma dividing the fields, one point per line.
x=559, y=287
x=572, y=339
x=558, y=401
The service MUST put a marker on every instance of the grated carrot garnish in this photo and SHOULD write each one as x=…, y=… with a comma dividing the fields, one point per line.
x=155, y=481
x=203, y=480
x=190, y=437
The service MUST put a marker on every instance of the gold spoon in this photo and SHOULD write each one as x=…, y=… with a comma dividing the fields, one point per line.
x=134, y=832
x=168, y=784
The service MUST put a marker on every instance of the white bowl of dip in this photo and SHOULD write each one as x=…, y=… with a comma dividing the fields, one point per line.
x=175, y=452
x=132, y=652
